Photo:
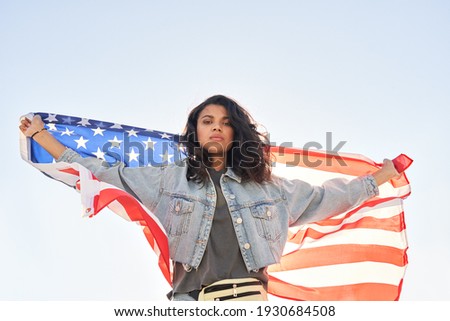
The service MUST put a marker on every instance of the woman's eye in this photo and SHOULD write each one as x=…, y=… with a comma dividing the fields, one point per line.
x=206, y=122
x=227, y=124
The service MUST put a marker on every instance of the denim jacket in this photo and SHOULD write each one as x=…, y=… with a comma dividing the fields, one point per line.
x=261, y=213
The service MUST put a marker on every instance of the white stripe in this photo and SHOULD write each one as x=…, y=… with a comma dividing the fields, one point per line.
x=310, y=175
x=343, y=274
x=318, y=177
x=403, y=190
x=54, y=170
x=89, y=189
x=387, y=190
x=359, y=236
x=122, y=211
x=118, y=208
x=156, y=249
x=355, y=236
x=394, y=203
x=290, y=247
x=381, y=211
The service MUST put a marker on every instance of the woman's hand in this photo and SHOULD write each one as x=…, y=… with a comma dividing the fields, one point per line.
x=386, y=172
x=29, y=127
x=34, y=129
x=389, y=167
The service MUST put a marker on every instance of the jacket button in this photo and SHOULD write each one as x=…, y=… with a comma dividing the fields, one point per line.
x=246, y=246
x=232, y=196
x=177, y=208
x=239, y=220
x=269, y=213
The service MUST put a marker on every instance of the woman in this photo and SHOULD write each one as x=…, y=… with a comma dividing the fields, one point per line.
x=225, y=214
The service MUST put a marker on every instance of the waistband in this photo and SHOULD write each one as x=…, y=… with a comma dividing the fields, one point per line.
x=245, y=289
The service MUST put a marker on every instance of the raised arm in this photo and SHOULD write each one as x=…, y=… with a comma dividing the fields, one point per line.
x=386, y=172
x=36, y=130
x=142, y=182
x=309, y=203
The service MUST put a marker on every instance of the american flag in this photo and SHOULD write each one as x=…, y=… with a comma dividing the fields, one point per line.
x=111, y=142
x=356, y=255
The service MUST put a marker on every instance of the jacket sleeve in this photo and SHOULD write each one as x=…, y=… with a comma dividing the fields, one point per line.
x=307, y=203
x=142, y=182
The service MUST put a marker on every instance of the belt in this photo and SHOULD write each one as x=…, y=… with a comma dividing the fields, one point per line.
x=246, y=289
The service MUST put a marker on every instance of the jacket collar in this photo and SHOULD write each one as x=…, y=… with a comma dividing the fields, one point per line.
x=231, y=174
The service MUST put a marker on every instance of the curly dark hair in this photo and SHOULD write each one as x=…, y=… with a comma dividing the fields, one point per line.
x=249, y=155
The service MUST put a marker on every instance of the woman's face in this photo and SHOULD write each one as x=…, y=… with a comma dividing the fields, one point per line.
x=214, y=130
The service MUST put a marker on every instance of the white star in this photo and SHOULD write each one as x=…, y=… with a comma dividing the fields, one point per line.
x=118, y=126
x=115, y=142
x=98, y=131
x=166, y=157
x=132, y=132
x=81, y=142
x=67, y=120
x=67, y=132
x=133, y=156
x=52, y=127
x=99, y=154
x=84, y=122
x=51, y=117
x=149, y=144
x=180, y=148
x=165, y=136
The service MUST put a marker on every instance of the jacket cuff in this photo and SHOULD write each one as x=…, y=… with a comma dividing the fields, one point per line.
x=371, y=186
x=68, y=156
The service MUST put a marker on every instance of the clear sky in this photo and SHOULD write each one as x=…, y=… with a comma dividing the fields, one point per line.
x=374, y=73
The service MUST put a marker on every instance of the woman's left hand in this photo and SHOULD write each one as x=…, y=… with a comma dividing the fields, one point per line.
x=386, y=172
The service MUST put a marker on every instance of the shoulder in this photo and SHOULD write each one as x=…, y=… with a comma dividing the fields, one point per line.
x=277, y=180
x=177, y=167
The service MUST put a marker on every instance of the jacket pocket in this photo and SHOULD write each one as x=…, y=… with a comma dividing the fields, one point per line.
x=179, y=216
x=267, y=224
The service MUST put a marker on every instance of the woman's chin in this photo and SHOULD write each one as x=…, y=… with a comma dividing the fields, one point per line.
x=215, y=149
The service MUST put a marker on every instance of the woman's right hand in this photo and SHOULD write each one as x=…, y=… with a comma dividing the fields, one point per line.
x=29, y=127
x=43, y=137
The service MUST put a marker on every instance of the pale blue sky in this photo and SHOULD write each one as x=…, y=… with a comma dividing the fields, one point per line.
x=374, y=73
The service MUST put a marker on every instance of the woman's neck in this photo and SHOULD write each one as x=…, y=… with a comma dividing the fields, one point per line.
x=217, y=163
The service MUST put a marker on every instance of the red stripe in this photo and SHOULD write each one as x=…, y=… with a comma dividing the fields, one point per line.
x=351, y=292
x=340, y=254
x=392, y=224
x=395, y=223
x=372, y=203
x=137, y=214
x=71, y=171
x=330, y=162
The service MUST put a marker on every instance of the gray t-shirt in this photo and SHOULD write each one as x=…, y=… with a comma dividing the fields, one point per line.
x=222, y=258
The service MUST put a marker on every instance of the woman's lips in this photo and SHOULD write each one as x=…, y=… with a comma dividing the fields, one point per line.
x=216, y=138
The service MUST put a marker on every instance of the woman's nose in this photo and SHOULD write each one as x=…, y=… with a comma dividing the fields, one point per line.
x=217, y=128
